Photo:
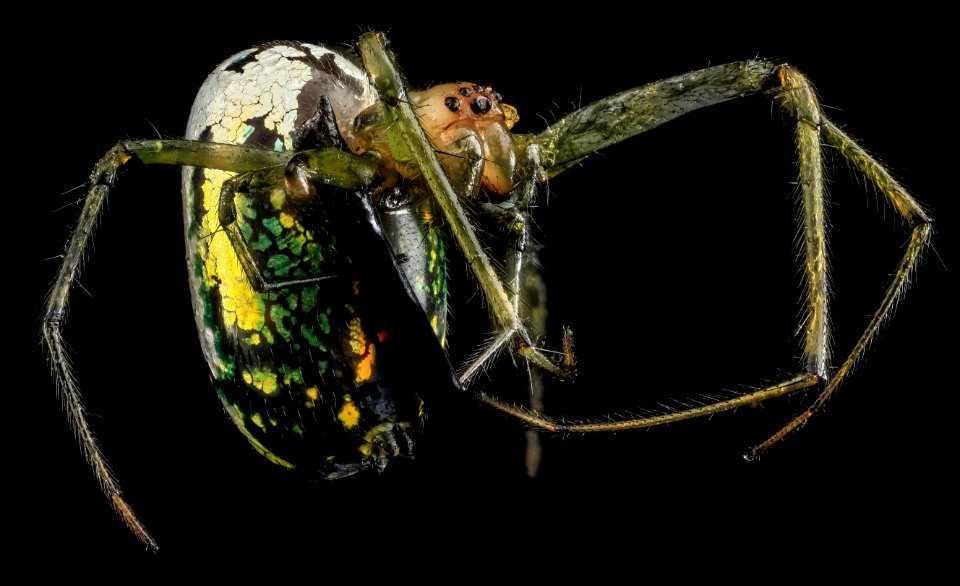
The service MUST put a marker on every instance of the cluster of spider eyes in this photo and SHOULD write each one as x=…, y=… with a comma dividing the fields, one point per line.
x=480, y=104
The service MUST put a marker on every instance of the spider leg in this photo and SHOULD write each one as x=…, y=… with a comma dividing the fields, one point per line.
x=329, y=166
x=522, y=279
x=233, y=158
x=529, y=291
x=407, y=134
x=797, y=98
x=632, y=112
x=618, y=117
x=540, y=421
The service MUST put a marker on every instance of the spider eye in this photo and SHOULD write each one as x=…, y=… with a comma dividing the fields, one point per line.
x=481, y=105
x=452, y=103
x=466, y=92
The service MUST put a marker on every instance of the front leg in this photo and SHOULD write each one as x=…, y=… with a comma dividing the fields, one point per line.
x=164, y=152
x=406, y=135
x=632, y=112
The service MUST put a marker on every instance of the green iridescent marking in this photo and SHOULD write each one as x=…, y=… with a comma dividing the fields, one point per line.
x=313, y=256
x=228, y=363
x=268, y=335
x=244, y=206
x=273, y=422
x=246, y=230
x=257, y=420
x=263, y=243
x=323, y=365
x=438, y=285
x=244, y=133
x=225, y=362
x=291, y=375
x=311, y=338
x=198, y=271
x=292, y=241
x=296, y=429
x=280, y=263
x=324, y=323
x=273, y=224
x=292, y=301
x=308, y=297
x=278, y=145
x=277, y=313
x=191, y=192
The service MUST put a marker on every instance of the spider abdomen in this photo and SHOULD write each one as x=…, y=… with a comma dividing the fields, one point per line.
x=303, y=312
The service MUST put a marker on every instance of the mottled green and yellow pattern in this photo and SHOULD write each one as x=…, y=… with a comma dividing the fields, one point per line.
x=296, y=365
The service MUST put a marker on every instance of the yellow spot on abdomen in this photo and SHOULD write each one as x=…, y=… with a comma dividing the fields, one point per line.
x=358, y=342
x=312, y=393
x=364, y=368
x=264, y=381
x=349, y=415
x=241, y=304
x=363, y=371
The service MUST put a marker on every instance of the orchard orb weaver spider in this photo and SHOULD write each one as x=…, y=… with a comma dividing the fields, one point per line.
x=561, y=145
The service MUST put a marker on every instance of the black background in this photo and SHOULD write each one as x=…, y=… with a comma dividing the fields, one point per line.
x=701, y=212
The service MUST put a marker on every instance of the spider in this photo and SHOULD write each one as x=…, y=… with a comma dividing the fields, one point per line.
x=817, y=362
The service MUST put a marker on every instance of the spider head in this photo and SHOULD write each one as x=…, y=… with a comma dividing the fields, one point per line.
x=445, y=107
x=452, y=111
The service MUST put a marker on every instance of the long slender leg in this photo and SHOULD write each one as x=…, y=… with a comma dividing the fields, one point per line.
x=922, y=228
x=529, y=291
x=523, y=280
x=627, y=114
x=169, y=152
x=406, y=133
x=632, y=112
x=563, y=144
x=541, y=421
x=635, y=111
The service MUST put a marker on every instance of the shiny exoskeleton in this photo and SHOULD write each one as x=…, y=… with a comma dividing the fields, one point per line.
x=320, y=199
x=312, y=301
